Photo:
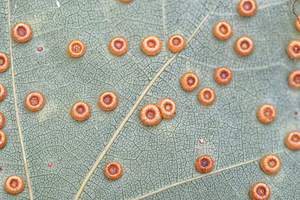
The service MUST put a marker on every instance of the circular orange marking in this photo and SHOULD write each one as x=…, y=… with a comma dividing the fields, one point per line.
x=297, y=23
x=176, y=43
x=21, y=32
x=223, y=30
x=247, y=7
x=118, y=46
x=189, y=81
x=34, y=101
x=266, y=113
x=2, y=92
x=223, y=75
x=292, y=140
x=260, y=191
x=2, y=139
x=151, y=45
x=206, y=96
x=204, y=164
x=108, y=100
x=270, y=164
x=244, y=45
x=150, y=114
x=80, y=111
x=167, y=107
x=125, y=1
x=2, y=120
x=293, y=49
x=4, y=62
x=113, y=170
x=14, y=184
x=76, y=48
x=294, y=78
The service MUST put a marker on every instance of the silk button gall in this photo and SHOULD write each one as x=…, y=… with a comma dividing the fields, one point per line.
x=4, y=62
x=260, y=191
x=2, y=120
x=113, y=170
x=176, y=43
x=76, y=48
x=151, y=45
x=80, y=111
x=206, y=96
x=167, y=107
x=223, y=75
x=292, y=140
x=14, y=184
x=266, y=113
x=21, y=32
x=2, y=139
x=222, y=30
x=270, y=164
x=247, y=7
x=108, y=100
x=244, y=45
x=204, y=164
x=294, y=78
x=189, y=81
x=150, y=114
x=2, y=92
x=118, y=46
x=34, y=101
x=293, y=49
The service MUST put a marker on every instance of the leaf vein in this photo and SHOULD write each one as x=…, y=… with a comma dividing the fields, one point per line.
x=16, y=104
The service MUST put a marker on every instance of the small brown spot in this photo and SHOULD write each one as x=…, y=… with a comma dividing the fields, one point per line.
x=201, y=141
x=40, y=48
x=50, y=164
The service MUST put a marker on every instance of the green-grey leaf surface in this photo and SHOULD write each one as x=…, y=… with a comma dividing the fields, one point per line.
x=158, y=162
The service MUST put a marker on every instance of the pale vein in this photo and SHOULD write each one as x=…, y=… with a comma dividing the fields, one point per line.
x=117, y=132
x=16, y=105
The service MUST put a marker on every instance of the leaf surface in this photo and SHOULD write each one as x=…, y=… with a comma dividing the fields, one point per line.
x=158, y=162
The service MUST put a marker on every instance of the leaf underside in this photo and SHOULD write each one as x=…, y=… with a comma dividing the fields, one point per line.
x=158, y=162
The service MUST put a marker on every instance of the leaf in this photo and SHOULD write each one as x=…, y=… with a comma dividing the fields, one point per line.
x=158, y=162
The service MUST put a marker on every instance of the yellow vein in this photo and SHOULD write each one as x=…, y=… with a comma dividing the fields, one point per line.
x=201, y=176
x=16, y=104
x=117, y=132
